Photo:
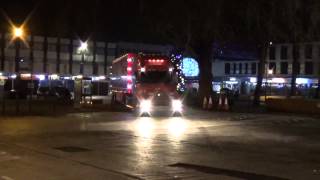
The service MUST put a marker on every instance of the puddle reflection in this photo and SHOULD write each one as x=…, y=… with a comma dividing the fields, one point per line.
x=177, y=128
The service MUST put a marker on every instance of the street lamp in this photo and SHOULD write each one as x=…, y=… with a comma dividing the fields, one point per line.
x=83, y=50
x=18, y=34
x=269, y=72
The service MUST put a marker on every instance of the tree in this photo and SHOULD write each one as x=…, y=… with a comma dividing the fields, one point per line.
x=262, y=28
x=193, y=26
x=296, y=21
x=315, y=35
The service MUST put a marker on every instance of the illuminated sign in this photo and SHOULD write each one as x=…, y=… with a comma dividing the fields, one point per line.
x=190, y=67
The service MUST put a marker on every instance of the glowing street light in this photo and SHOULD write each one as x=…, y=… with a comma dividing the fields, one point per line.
x=18, y=32
x=83, y=49
x=270, y=71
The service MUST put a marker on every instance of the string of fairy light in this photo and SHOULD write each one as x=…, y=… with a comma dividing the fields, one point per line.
x=177, y=63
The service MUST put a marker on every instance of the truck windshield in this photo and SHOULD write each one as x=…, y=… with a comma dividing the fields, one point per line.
x=155, y=77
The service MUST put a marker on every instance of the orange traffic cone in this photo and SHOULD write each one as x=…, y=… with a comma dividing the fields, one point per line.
x=204, y=105
x=220, y=102
x=210, y=103
x=226, y=105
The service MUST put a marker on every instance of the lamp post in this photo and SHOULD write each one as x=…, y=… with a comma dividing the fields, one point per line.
x=18, y=34
x=269, y=72
x=83, y=50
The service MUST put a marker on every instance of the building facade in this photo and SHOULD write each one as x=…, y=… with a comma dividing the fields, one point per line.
x=52, y=55
x=238, y=70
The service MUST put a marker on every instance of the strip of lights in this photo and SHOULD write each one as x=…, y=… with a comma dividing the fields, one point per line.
x=129, y=74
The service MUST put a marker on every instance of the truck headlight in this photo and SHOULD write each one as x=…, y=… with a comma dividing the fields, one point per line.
x=176, y=106
x=145, y=106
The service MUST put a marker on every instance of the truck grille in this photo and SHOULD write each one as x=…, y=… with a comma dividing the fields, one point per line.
x=161, y=99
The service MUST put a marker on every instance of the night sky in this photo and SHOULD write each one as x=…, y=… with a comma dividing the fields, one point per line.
x=109, y=20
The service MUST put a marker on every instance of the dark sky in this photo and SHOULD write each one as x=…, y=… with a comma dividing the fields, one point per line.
x=111, y=20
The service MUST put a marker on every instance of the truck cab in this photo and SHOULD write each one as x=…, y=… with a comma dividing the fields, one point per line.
x=147, y=84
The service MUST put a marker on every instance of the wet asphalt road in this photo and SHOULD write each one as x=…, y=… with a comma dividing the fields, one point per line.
x=198, y=145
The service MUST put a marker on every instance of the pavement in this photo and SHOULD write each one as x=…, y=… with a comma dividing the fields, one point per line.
x=198, y=145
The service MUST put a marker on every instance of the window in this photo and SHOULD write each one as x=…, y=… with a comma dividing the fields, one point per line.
x=234, y=68
x=272, y=53
x=100, y=50
x=308, y=51
x=52, y=47
x=227, y=68
x=38, y=46
x=246, y=68
x=64, y=48
x=240, y=68
x=253, y=68
x=273, y=66
x=284, y=52
x=284, y=68
x=308, y=68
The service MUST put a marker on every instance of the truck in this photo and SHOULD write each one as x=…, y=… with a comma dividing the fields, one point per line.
x=146, y=83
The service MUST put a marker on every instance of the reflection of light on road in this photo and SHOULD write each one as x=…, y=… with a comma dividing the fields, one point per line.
x=145, y=127
x=177, y=127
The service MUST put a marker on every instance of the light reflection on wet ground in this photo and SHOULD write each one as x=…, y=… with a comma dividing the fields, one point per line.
x=147, y=145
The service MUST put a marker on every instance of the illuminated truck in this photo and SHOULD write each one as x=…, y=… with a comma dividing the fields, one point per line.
x=146, y=83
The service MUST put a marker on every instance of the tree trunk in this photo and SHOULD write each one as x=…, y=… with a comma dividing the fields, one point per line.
x=31, y=55
x=317, y=95
x=58, y=54
x=295, y=69
x=204, y=52
x=261, y=70
x=45, y=54
x=3, y=44
x=70, y=55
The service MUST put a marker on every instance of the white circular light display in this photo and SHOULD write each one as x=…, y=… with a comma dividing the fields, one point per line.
x=190, y=67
